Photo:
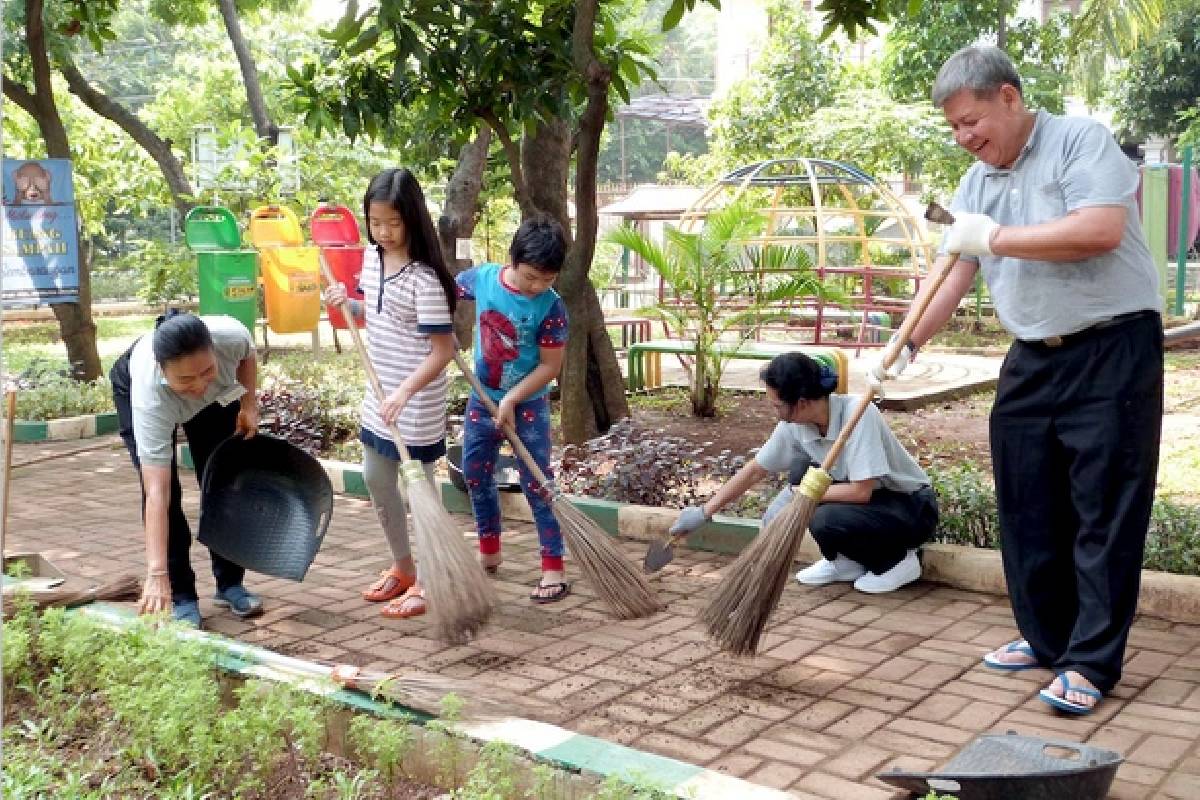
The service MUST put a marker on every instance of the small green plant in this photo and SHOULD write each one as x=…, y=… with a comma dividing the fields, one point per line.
x=384, y=744
x=493, y=776
x=723, y=286
x=967, y=505
x=447, y=751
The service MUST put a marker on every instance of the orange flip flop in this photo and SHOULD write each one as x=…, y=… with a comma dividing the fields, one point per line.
x=401, y=608
x=391, y=584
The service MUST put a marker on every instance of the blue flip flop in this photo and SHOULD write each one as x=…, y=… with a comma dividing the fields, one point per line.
x=1019, y=646
x=1063, y=704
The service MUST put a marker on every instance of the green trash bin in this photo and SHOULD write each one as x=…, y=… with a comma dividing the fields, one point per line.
x=228, y=273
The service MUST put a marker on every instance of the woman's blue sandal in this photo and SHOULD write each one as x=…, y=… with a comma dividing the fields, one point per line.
x=1063, y=704
x=1019, y=646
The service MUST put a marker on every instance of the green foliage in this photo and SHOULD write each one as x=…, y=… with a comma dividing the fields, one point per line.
x=883, y=137
x=1173, y=544
x=711, y=272
x=1162, y=79
x=920, y=43
x=967, y=502
x=383, y=743
x=967, y=505
x=755, y=113
x=168, y=273
x=46, y=392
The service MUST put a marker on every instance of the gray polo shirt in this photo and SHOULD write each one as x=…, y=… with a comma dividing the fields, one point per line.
x=1068, y=163
x=157, y=409
x=872, y=451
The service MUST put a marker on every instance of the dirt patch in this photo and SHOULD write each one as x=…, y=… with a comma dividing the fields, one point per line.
x=941, y=434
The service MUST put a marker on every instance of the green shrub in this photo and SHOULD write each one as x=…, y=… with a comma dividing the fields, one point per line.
x=1173, y=544
x=967, y=505
x=47, y=393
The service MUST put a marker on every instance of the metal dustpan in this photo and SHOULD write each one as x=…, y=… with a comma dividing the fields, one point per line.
x=31, y=572
x=1007, y=766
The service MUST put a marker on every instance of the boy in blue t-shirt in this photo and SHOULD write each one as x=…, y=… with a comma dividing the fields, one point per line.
x=520, y=334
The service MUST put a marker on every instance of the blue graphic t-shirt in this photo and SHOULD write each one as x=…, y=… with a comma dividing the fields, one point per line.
x=510, y=328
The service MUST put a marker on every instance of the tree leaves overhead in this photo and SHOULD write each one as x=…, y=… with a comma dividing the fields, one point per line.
x=504, y=61
x=1162, y=79
x=920, y=43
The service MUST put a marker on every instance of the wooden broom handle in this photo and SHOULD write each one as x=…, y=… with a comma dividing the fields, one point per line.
x=10, y=413
x=509, y=431
x=937, y=214
x=361, y=349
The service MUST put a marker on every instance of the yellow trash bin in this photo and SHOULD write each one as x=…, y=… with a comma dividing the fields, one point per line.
x=291, y=272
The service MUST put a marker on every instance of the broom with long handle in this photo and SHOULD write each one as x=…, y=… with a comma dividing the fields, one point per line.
x=738, y=611
x=617, y=582
x=459, y=594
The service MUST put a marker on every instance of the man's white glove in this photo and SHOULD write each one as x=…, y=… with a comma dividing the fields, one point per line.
x=876, y=373
x=971, y=235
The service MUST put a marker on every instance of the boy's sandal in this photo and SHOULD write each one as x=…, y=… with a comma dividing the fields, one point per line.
x=561, y=590
x=409, y=604
x=392, y=583
x=1063, y=704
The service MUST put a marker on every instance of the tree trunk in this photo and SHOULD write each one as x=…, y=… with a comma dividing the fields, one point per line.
x=593, y=391
x=254, y=95
x=75, y=323
x=157, y=148
x=459, y=214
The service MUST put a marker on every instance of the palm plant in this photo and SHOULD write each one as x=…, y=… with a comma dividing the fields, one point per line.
x=723, y=285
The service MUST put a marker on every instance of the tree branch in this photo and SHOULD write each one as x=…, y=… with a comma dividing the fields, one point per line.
x=148, y=140
x=513, y=154
x=19, y=95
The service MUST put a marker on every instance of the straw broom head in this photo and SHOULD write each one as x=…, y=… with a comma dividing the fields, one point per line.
x=125, y=587
x=457, y=592
x=617, y=582
x=737, y=614
x=424, y=692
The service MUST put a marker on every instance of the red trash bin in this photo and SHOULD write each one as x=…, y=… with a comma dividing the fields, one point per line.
x=335, y=230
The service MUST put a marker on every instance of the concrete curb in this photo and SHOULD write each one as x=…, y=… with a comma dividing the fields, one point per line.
x=564, y=749
x=1175, y=598
x=64, y=428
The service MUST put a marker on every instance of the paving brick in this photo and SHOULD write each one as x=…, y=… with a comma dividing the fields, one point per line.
x=858, y=723
x=668, y=744
x=857, y=762
x=838, y=788
x=736, y=731
x=739, y=766
x=786, y=753
x=776, y=775
x=1159, y=751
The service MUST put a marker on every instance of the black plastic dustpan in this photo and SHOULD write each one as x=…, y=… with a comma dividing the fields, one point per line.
x=1008, y=766
x=265, y=505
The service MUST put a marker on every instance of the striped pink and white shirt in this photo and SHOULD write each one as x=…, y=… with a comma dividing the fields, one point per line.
x=402, y=311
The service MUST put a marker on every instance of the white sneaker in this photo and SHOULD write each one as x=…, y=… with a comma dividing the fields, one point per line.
x=907, y=571
x=826, y=571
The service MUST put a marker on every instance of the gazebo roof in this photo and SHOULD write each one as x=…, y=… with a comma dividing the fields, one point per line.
x=651, y=201
x=686, y=110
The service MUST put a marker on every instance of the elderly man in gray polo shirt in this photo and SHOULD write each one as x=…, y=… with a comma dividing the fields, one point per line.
x=1048, y=213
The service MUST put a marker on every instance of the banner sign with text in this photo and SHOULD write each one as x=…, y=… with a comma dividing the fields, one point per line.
x=40, y=248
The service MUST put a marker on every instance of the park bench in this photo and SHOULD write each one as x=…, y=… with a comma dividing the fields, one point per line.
x=644, y=360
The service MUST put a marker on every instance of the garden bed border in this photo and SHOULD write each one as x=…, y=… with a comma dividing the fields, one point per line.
x=570, y=752
x=84, y=426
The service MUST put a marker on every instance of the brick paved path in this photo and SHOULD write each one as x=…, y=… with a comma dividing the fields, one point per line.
x=848, y=684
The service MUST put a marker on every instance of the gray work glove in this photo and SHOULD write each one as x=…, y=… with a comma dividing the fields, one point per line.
x=689, y=520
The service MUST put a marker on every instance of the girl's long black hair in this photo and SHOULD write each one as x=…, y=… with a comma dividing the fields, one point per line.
x=400, y=190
